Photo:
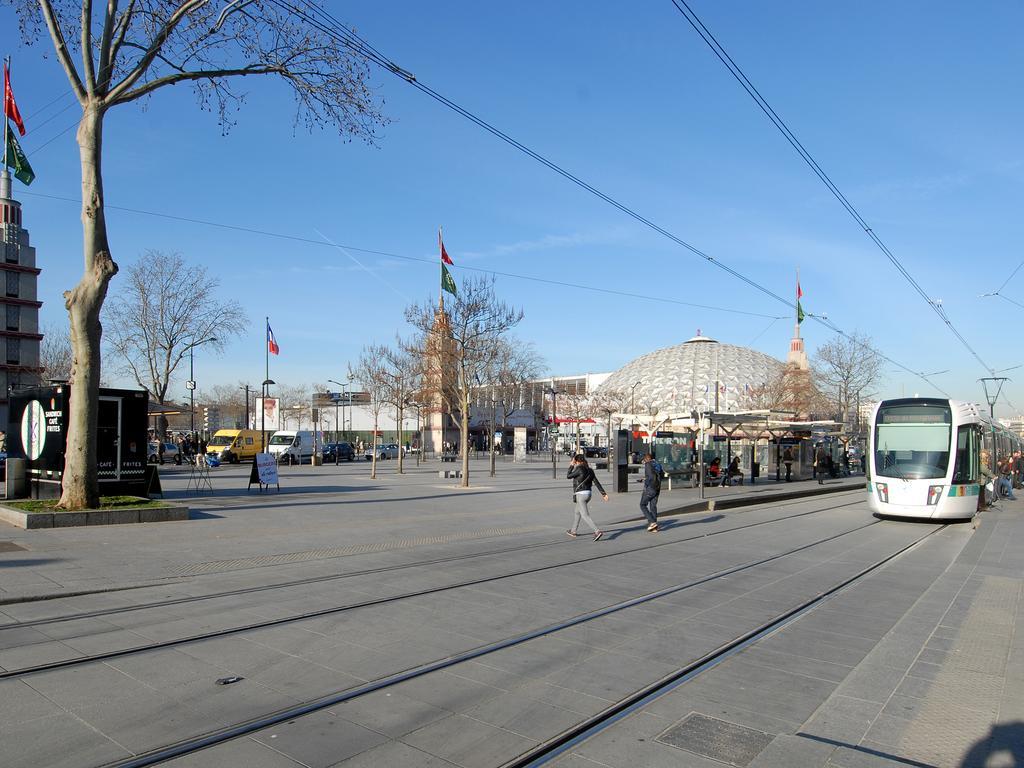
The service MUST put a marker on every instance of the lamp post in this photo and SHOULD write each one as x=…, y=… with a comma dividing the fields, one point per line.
x=632, y=411
x=341, y=401
x=554, y=425
x=263, y=416
x=190, y=385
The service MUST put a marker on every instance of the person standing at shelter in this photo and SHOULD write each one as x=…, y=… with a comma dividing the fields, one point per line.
x=820, y=463
x=787, y=459
x=652, y=489
x=583, y=480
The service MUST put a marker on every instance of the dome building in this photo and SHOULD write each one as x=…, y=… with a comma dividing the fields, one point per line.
x=700, y=374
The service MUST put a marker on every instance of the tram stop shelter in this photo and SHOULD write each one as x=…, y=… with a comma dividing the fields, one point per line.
x=759, y=437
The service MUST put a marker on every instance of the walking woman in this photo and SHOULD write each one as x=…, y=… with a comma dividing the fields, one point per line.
x=583, y=479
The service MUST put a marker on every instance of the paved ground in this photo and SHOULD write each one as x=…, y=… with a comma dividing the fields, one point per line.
x=918, y=663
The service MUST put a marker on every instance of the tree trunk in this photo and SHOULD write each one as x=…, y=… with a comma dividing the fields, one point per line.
x=464, y=438
x=373, y=462
x=83, y=302
x=401, y=433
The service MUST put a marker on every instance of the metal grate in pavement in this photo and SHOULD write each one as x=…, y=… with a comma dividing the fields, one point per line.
x=720, y=740
x=217, y=566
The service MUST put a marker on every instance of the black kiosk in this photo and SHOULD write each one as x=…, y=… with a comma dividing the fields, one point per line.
x=38, y=433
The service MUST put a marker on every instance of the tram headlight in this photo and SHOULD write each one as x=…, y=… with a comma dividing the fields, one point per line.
x=934, y=494
x=883, y=492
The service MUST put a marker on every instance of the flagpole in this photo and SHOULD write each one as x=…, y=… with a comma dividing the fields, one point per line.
x=266, y=387
x=440, y=271
x=7, y=124
x=796, y=308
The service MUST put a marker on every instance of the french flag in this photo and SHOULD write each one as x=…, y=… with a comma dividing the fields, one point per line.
x=272, y=342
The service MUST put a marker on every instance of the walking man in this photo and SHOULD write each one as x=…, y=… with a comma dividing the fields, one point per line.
x=652, y=489
x=787, y=458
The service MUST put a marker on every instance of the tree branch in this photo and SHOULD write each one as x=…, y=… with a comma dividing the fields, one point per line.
x=180, y=77
x=61, y=47
x=109, y=23
x=87, y=65
x=123, y=23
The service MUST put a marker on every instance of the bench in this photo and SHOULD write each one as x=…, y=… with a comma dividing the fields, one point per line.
x=674, y=475
x=449, y=457
x=446, y=474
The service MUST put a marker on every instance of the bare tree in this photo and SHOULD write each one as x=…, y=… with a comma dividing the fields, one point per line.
x=848, y=368
x=400, y=372
x=606, y=403
x=294, y=402
x=229, y=400
x=514, y=366
x=371, y=374
x=129, y=53
x=459, y=344
x=160, y=314
x=55, y=354
x=577, y=405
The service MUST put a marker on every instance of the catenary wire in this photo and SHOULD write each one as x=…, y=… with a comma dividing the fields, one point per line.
x=765, y=107
x=330, y=25
x=431, y=261
x=338, y=31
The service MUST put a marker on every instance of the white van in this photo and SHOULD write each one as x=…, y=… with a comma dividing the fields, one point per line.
x=291, y=446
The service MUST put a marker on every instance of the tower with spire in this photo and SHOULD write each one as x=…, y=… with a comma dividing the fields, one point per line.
x=797, y=356
x=19, y=335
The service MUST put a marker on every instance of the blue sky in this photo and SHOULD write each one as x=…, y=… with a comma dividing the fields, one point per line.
x=913, y=108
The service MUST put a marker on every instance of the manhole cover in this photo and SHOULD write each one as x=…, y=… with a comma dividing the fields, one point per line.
x=708, y=736
x=10, y=546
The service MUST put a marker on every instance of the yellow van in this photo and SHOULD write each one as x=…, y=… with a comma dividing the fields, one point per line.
x=234, y=445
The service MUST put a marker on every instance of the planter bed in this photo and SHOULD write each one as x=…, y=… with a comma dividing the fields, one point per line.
x=36, y=513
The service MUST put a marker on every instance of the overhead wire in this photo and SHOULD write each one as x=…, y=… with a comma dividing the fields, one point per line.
x=333, y=27
x=431, y=261
x=705, y=34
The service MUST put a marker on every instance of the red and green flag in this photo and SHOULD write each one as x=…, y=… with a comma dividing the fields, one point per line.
x=10, y=106
x=447, y=282
x=15, y=158
x=799, y=309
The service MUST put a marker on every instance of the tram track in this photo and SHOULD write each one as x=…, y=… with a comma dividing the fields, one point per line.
x=78, y=661
x=558, y=744
x=555, y=747
x=193, y=599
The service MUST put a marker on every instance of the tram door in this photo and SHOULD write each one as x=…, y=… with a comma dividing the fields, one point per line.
x=108, y=443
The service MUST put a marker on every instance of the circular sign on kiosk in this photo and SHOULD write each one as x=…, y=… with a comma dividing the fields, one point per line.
x=33, y=430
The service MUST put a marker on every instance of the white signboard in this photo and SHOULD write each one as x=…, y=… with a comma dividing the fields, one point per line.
x=266, y=466
x=519, y=446
x=267, y=414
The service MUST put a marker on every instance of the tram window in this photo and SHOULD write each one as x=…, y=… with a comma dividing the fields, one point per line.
x=912, y=442
x=965, y=470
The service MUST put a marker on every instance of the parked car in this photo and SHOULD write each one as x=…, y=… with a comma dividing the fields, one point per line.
x=595, y=451
x=339, y=452
x=389, y=451
x=171, y=453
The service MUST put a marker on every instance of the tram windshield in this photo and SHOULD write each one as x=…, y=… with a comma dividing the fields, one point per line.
x=912, y=441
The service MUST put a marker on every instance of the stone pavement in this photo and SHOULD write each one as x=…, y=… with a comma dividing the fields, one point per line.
x=320, y=513
x=920, y=664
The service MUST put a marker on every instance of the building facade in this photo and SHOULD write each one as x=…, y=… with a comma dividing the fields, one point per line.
x=19, y=336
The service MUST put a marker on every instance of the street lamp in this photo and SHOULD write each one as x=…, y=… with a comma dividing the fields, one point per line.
x=632, y=399
x=263, y=415
x=341, y=401
x=554, y=425
x=190, y=385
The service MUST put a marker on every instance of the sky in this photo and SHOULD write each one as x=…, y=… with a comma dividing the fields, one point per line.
x=913, y=109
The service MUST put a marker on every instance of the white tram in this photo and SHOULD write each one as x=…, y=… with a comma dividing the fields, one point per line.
x=927, y=454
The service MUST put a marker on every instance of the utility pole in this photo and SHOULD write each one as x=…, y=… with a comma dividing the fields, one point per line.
x=245, y=425
x=993, y=385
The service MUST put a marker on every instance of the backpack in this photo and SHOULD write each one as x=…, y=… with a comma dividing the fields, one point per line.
x=658, y=470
